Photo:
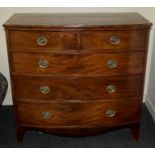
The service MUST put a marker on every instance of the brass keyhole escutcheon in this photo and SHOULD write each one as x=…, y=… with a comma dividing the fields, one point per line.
x=45, y=89
x=111, y=88
x=42, y=41
x=110, y=113
x=115, y=40
x=43, y=64
x=112, y=63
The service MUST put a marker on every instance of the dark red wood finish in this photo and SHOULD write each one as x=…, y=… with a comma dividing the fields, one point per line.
x=78, y=114
x=79, y=64
x=57, y=41
x=92, y=88
x=77, y=74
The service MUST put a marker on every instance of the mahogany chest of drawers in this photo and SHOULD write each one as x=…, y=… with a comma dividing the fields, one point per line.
x=77, y=74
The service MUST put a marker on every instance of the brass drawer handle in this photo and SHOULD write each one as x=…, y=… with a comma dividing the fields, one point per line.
x=110, y=113
x=47, y=114
x=115, y=40
x=45, y=89
x=112, y=63
x=111, y=88
x=43, y=63
x=42, y=41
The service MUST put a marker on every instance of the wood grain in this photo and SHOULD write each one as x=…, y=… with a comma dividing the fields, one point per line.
x=84, y=64
x=78, y=114
x=77, y=51
x=129, y=39
x=56, y=40
x=77, y=20
x=93, y=88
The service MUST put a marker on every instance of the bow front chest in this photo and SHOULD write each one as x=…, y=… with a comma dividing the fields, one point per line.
x=77, y=74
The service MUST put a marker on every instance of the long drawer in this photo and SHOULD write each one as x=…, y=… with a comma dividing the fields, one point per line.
x=94, y=88
x=86, y=114
x=84, y=64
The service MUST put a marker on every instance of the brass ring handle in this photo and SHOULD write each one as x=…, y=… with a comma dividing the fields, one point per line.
x=111, y=88
x=115, y=40
x=110, y=113
x=42, y=41
x=43, y=63
x=46, y=114
x=45, y=89
x=112, y=63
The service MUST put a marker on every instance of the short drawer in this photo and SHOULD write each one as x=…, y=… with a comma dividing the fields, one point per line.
x=92, y=88
x=83, y=114
x=113, y=40
x=33, y=41
x=79, y=64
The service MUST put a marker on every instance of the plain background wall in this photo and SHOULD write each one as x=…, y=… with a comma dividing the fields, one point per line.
x=149, y=13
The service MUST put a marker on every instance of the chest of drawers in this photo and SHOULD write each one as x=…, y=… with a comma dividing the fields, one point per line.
x=77, y=74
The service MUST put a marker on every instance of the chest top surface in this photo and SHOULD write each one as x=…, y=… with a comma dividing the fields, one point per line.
x=76, y=20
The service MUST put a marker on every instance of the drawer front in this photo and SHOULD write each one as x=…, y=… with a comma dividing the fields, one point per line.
x=111, y=64
x=44, y=63
x=85, y=64
x=92, y=88
x=111, y=87
x=106, y=113
x=45, y=88
x=33, y=41
x=113, y=40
